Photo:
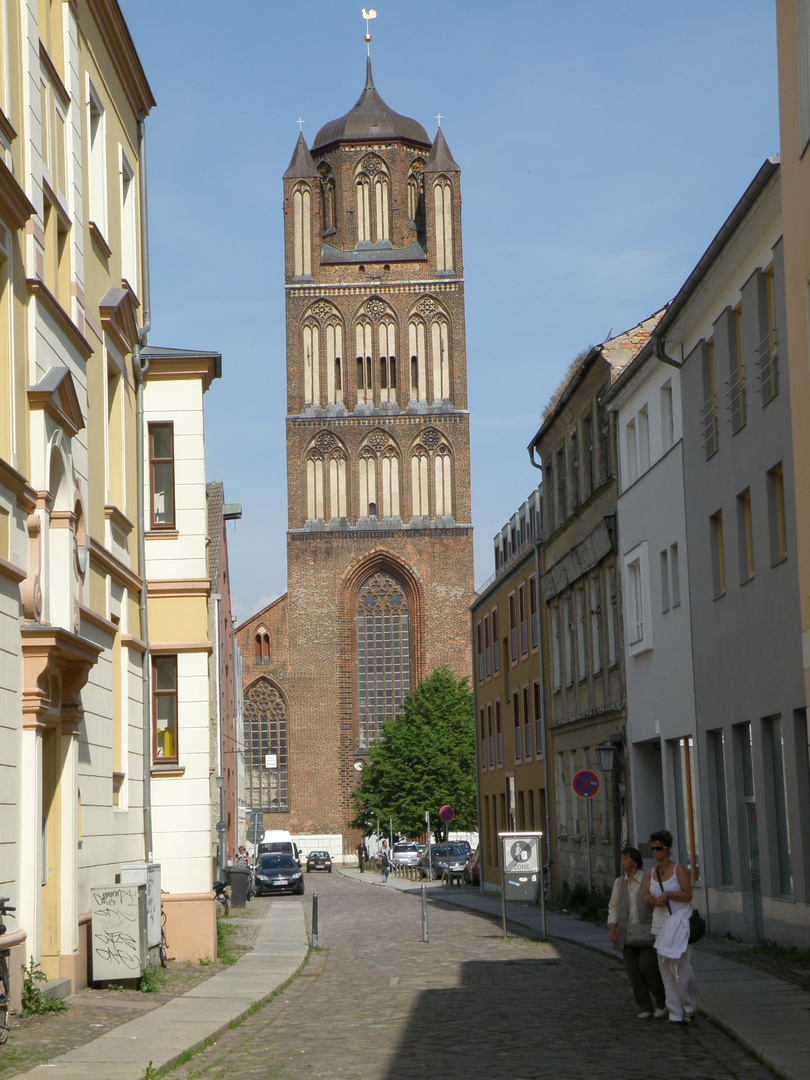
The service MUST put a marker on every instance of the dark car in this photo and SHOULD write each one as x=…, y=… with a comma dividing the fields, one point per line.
x=405, y=854
x=472, y=871
x=451, y=857
x=319, y=860
x=279, y=873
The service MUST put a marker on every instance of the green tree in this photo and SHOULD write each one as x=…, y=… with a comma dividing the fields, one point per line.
x=424, y=759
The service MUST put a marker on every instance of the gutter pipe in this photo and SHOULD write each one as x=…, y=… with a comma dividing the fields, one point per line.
x=141, y=366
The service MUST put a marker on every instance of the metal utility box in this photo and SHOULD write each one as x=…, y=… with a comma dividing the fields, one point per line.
x=119, y=946
x=147, y=874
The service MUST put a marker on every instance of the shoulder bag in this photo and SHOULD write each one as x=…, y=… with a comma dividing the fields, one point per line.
x=697, y=924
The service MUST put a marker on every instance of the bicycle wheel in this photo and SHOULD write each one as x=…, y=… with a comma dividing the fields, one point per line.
x=163, y=954
x=5, y=1005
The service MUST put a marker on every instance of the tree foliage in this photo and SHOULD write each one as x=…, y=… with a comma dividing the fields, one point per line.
x=424, y=760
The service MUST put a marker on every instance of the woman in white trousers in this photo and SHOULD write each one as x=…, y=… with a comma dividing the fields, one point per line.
x=668, y=891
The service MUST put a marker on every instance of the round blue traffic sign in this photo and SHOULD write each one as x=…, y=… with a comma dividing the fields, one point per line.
x=586, y=783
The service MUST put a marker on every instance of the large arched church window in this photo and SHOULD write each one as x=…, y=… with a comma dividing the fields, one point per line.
x=302, y=238
x=312, y=363
x=363, y=191
x=441, y=360
x=416, y=199
x=315, y=485
x=419, y=483
x=443, y=467
x=383, y=653
x=265, y=744
x=443, y=205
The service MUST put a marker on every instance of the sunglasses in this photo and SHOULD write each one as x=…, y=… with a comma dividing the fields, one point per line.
x=658, y=847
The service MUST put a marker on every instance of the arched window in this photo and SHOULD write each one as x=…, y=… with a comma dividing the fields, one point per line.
x=367, y=476
x=302, y=237
x=312, y=364
x=443, y=467
x=262, y=646
x=337, y=486
x=419, y=482
x=365, y=379
x=314, y=486
x=390, y=485
x=334, y=363
x=381, y=201
x=443, y=205
x=441, y=360
x=388, y=361
x=265, y=715
x=327, y=196
x=363, y=190
x=416, y=196
x=383, y=656
x=416, y=349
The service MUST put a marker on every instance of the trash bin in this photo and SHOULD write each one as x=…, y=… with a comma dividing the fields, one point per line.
x=237, y=878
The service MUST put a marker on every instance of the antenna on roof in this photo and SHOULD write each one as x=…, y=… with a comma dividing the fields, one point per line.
x=368, y=15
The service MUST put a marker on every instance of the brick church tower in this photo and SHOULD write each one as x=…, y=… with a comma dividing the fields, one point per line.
x=379, y=542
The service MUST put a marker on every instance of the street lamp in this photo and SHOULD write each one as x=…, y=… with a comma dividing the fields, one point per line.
x=606, y=756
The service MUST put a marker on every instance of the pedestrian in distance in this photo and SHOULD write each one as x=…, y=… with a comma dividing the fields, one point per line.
x=630, y=929
x=385, y=861
x=668, y=891
x=242, y=857
x=362, y=854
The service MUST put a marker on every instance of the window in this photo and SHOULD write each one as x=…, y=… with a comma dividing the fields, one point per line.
x=667, y=417
x=337, y=485
x=388, y=361
x=479, y=638
x=527, y=724
x=483, y=738
x=774, y=726
x=419, y=482
x=767, y=352
x=582, y=634
x=262, y=646
x=334, y=363
x=631, y=451
x=164, y=708
x=613, y=616
x=443, y=469
x=381, y=201
x=776, y=514
x=538, y=719
x=265, y=734
x=675, y=571
x=390, y=485
x=524, y=629
x=97, y=179
x=516, y=718
x=312, y=364
x=535, y=624
x=365, y=376
x=556, y=675
x=718, y=556
x=441, y=360
x=499, y=731
x=745, y=536
x=685, y=805
x=587, y=437
x=736, y=380
x=129, y=224
x=367, y=477
x=596, y=625
x=708, y=413
x=417, y=351
x=513, y=639
x=720, y=793
x=363, y=192
x=643, y=441
x=568, y=632
x=664, y=581
x=487, y=647
x=383, y=653
x=491, y=737
x=161, y=473
x=638, y=625
x=496, y=648
x=443, y=204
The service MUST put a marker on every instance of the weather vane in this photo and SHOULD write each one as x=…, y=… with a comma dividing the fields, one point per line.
x=368, y=15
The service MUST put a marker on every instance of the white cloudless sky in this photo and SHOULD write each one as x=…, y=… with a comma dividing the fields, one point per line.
x=601, y=145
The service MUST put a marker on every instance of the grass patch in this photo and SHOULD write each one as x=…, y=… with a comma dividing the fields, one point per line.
x=226, y=932
x=152, y=980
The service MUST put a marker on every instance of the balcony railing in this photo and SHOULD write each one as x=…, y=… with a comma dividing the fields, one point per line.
x=708, y=426
x=768, y=367
x=735, y=391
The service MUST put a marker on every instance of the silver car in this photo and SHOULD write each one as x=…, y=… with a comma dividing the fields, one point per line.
x=405, y=854
x=449, y=857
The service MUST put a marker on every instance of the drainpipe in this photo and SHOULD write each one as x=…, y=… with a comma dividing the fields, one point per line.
x=220, y=734
x=547, y=792
x=140, y=368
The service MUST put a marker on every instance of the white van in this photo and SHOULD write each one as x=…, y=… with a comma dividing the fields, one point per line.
x=280, y=841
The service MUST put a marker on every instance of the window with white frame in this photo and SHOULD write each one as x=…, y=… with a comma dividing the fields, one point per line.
x=97, y=179
x=638, y=624
x=631, y=451
x=667, y=416
x=129, y=224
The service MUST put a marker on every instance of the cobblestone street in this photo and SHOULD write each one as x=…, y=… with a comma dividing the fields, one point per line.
x=377, y=1004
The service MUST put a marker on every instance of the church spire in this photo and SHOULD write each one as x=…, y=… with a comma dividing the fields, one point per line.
x=301, y=165
x=440, y=159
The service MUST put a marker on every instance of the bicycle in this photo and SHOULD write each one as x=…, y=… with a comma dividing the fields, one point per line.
x=5, y=982
x=163, y=947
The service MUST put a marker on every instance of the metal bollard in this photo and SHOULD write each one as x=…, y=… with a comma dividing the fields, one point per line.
x=314, y=920
x=425, y=934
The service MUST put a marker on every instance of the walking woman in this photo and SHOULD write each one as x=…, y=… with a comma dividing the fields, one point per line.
x=630, y=929
x=668, y=891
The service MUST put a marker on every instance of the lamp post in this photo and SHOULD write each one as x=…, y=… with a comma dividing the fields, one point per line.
x=609, y=757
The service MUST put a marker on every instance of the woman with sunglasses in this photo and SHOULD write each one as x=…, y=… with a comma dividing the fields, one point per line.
x=668, y=891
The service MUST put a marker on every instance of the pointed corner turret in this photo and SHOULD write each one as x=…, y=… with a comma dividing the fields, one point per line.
x=440, y=159
x=301, y=164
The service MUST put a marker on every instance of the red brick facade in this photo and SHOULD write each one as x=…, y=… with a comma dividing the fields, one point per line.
x=378, y=457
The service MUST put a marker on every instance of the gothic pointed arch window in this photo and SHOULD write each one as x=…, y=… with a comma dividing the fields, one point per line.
x=440, y=347
x=327, y=197
x=312, y=363
x=367, y=480
x=416, y=194
x=386, y=335
x=362, y=185
x=302, y=231
x=382, y=213
x=337, y=485
x=419, y=482
x=265, y=732
x=390, y=483
x=334, y=362
x=365, y=350
x=262, y=646
x=383, y=653
x=443, y=208
x=443, y=469
x=315, y=485
x=417, y=352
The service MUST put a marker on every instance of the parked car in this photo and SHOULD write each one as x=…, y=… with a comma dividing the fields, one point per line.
x=472, y=871
x=405, y=854
x=452, y=857
x=279, y=873
x=319, y=860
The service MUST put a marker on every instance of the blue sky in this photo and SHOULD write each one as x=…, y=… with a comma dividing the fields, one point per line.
x=601, y=146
